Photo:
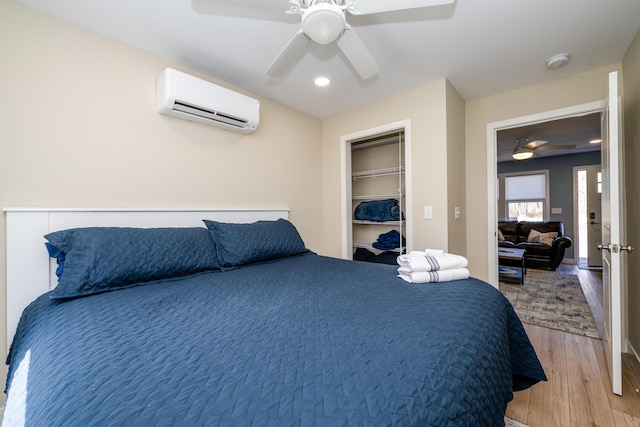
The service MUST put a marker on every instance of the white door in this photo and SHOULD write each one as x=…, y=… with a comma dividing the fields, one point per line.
x=594, y=224
x=613, y=232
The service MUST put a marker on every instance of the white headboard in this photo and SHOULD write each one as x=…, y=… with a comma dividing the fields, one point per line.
x=30, y=270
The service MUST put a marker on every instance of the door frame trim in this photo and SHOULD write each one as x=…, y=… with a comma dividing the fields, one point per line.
x=576, y=218
x=576, y=225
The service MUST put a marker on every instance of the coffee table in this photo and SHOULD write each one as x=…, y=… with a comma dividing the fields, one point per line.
x=512, y=264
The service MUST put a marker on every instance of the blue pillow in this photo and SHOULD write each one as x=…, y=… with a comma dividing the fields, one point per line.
x=58, y=255
x=241, y=244
x=99, y=259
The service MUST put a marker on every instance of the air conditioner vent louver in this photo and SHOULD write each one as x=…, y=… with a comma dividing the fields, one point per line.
x=210, y=115
x=187, y=97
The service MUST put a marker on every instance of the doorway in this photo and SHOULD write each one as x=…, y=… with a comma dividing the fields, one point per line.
x=492, y=157
x=564, y=173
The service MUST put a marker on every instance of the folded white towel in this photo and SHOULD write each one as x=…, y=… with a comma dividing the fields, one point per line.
x=434, y=252
x=418, y=261
x=433, y=276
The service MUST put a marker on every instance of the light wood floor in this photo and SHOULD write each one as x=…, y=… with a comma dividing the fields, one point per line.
x=578, y=390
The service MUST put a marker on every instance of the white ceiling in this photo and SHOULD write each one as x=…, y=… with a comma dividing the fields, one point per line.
x=481, y=47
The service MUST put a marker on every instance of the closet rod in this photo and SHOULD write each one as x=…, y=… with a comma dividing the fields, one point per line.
x=377, y=172
x=369, y=143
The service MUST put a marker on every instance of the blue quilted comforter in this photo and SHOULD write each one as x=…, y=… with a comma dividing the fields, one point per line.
x=302, y=341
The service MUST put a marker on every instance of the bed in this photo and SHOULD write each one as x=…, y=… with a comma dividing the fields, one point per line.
x=239, y=324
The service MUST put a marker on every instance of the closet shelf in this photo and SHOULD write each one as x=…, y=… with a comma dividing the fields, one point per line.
x=370, y=246
x=377, y=172
x=378, y=197
x=359, y=221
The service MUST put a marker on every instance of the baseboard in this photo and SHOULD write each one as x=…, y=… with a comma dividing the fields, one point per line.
x=632, y=350
x=568, y=261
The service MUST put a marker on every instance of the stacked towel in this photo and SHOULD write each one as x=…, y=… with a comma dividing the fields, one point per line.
x=432, y=265
x=431, y=252
x=434, y=276
x=418, y=261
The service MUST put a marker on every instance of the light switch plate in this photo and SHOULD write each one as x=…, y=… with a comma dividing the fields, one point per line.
x=428, y=212
x=556, y=210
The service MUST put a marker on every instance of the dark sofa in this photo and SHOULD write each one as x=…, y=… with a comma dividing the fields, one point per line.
x=539, y=255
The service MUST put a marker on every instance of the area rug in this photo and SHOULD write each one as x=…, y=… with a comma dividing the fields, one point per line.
x=552, y=300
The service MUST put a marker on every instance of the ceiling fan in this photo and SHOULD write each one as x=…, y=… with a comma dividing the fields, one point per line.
x=524, y=148
x=325, y=22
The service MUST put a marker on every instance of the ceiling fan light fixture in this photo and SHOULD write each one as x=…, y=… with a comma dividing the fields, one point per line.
x=323, y=22
x=522, y=153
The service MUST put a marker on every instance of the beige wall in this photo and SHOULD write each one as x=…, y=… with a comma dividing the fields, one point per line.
x=426, y=107
x=456, y=173
x=578, y=89
x=631, y=94
x=78, y=128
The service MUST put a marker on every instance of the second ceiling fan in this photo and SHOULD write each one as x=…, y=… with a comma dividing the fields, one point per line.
x=524, y=148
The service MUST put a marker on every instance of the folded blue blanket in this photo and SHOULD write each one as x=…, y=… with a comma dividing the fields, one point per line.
x=388, y=241
x=378, y=210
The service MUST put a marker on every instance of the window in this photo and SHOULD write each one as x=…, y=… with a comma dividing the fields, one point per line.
x=525, y=197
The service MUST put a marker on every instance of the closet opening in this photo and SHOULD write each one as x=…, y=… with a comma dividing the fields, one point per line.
x=376, y=224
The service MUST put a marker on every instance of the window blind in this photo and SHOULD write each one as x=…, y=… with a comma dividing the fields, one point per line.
x=525, y=187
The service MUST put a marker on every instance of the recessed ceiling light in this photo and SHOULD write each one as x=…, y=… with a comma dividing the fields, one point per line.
x=557, y=61
x=595, y=141
x=322, y=81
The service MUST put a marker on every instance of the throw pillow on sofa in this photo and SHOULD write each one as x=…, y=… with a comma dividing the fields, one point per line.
x=545, y=238
x=500, y=235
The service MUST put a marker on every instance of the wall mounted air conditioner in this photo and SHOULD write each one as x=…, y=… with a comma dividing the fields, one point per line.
x=190, y=98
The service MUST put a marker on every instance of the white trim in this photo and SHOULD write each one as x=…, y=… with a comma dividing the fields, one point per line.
x=345, y=192
x=629, y=349
x=576, y=218
x=30, y=270
x=492, y=169
x=345, y=178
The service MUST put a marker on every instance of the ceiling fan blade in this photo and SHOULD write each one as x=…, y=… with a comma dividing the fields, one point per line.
x=556, y=147
x=534, y=144
x=249, y=9
x=290, y=54
x=366, y=7
x=358, y=54
x=209, y=6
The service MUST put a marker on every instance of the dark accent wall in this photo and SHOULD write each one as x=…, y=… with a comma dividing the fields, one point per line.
x=560, y=182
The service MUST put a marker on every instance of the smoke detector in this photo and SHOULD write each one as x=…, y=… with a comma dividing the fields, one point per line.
x=557, y=61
